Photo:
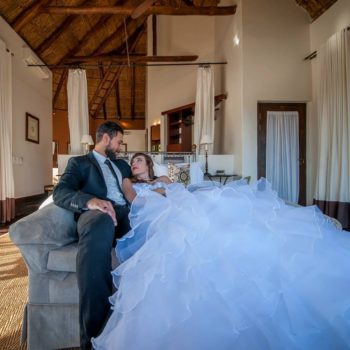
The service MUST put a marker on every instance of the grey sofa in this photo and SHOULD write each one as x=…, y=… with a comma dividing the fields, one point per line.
x=47, y=240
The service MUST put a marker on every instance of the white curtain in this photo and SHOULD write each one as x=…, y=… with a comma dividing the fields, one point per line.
x=78, y=109
x=282, y=153
x=333, y=175
x=7, y=191
x=205, y=108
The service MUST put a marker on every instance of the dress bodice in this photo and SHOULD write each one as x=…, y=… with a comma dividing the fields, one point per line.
x=139, y=187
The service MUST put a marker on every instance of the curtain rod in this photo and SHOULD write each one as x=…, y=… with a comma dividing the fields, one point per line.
x=313, y=55
x=82, y=65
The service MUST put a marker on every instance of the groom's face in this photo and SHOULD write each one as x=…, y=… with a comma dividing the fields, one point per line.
x=114, y=145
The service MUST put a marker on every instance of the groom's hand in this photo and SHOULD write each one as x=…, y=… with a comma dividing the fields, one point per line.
x=104, y=206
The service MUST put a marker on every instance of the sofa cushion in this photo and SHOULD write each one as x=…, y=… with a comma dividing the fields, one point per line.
x=64, y=259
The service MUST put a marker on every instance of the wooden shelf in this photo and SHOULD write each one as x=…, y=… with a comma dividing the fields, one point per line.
x=180, y=120
x=175, y=123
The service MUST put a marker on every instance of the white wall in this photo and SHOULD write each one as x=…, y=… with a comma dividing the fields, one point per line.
x=275, y=41
x=135, y=140
x=265, y=66
x=33, y=95
x=174, y=86
x=229, y=79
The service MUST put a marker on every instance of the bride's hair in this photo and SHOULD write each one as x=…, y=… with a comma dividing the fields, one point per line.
x=149, y=163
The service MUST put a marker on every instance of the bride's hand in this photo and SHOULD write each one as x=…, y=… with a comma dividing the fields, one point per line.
x=160, y=191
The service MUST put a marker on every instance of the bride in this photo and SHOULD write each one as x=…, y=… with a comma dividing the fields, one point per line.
x=229, y=267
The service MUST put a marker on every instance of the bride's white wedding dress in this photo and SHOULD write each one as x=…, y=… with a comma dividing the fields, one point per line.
x=228, y=268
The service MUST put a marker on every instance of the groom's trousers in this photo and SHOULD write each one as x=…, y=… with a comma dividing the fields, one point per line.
x=97, y=235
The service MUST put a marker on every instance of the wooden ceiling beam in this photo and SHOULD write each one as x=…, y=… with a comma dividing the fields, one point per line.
x=101, y=47
x=188, y=2
x=54, y=35
x=102, y=75
x=132, y=91
x=154, y=35
x=84, y=39
x=132, y=58
x=41, y=48
x=142, y=8
x=117, y=100
x=112, y=75
x=154, y=10
x=90, y=33
x=28, y=14
x=63, y=79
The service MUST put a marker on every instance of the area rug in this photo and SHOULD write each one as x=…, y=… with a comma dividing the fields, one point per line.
x=13, y=294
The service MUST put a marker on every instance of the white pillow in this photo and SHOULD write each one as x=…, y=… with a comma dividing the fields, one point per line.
x=160, y=169
x=196, y=173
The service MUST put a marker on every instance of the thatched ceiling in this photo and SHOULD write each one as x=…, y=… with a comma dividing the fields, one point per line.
x=60, y=38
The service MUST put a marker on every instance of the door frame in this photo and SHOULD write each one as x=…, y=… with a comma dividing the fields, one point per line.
x=261, y=133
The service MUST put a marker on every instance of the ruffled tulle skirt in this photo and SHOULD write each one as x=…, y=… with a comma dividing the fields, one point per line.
x=229, y=267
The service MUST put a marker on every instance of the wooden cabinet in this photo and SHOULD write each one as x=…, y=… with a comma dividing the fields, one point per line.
x=180, y=130
x=179, y=126
x=155, y=138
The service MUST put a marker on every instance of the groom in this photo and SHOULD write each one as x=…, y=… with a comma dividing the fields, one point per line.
x=91, y=187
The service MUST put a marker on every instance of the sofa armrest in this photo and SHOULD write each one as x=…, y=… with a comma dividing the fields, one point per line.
x=37, y=234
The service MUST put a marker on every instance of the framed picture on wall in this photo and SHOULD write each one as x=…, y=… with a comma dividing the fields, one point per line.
x=32, y=128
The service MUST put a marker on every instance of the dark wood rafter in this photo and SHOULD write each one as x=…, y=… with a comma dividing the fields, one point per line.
x=85, y=37
x=154, y=10
x=28, y=14
x=154, y=35
x=315, y=8
x=123, y=47
x=101, y=47
x=47, y=43
x=62, y=81
x=112, y=74
x=102, y=74
x=58, y=31
x=133, y=85
x=117, y=100
x=188, y=2
x=142, y=8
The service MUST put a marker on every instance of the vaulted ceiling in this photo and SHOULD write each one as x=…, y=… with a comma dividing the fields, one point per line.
x=108, y=38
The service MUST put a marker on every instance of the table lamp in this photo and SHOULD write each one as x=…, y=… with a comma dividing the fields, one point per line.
x=87, y=141
x=206, y=140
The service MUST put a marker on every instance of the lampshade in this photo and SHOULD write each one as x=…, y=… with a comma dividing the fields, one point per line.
x=87, y=139
x=206, y=139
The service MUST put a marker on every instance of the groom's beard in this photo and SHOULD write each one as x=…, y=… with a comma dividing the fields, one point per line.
x=110, y=153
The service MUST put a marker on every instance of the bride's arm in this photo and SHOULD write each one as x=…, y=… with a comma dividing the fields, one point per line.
x=163, y=179
x=128, y=190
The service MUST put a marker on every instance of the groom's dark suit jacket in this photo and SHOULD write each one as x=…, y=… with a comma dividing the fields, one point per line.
x=82, y=181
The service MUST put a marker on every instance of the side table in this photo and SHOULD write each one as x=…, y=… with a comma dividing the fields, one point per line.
x=223, y=177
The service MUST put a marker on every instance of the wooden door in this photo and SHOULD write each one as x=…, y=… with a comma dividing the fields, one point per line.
x=263, y=108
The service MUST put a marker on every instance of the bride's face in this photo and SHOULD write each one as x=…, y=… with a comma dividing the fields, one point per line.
x=139, y=167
